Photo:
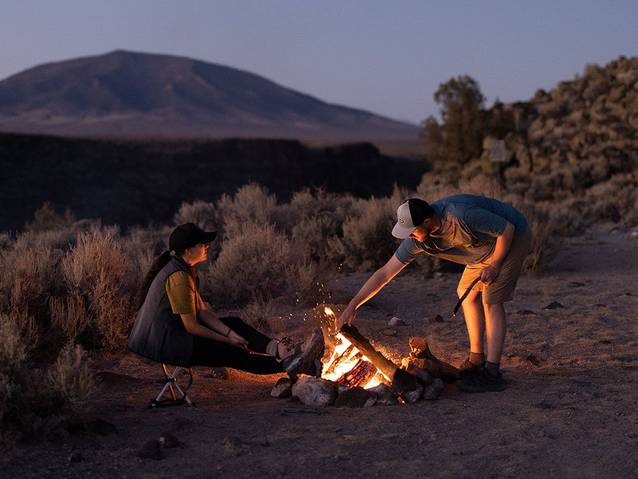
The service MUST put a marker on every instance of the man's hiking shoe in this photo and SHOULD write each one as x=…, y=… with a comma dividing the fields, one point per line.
x=309, y=361
x=483, y=382
x=468, y=369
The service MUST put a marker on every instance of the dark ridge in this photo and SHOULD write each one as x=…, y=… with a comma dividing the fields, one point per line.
x=140, y=182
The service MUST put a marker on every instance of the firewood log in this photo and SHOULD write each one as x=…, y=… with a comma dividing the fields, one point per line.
x=401, y=380
x=422, y=357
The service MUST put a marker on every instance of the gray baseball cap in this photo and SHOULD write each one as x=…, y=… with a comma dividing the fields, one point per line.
x=410, y=214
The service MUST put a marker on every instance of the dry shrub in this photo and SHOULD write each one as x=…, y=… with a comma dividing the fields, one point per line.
x=46, y=218
x=318, y=218
x=434, y=187
x=97, y=270
x=202, y=213
x=367, y=240
x=18, y=335
x=141, y=246
x=250, y=265
x=29, y=275
x=252, y=204
x=70, y=315
x=549, y=225
x=614, y=200
x=259, y=312
x=35, y=403
x=307, y=281
x=70, y=376
x=482, y=185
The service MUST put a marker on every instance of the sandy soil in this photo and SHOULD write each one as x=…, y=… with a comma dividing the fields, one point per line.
x=570, y=410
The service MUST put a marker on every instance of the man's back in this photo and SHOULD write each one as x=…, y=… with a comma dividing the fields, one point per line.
x=469, y=227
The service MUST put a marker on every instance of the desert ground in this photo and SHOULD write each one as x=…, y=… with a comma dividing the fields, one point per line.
x=570, y=409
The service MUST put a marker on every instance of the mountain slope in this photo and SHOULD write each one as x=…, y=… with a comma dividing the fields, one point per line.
x=138, y=94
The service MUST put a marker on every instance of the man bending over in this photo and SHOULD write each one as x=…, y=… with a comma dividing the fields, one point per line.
x=491, y=239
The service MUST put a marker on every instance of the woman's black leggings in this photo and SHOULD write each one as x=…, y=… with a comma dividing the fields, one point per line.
x=207, y=352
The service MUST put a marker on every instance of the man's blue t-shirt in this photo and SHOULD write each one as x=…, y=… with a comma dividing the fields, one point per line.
x=469, y=227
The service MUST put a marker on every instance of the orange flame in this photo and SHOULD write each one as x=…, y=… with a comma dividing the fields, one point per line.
x=345, y=364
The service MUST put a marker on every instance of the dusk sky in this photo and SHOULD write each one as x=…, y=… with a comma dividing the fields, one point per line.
x=384, y=56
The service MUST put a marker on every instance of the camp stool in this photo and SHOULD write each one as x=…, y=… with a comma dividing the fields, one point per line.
x=178, y=395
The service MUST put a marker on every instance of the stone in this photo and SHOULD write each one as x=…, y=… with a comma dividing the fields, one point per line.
x=150, y=450
x=356, y=398
x=389, y=332
x=168, y=441
x=282, y=389
x=394, y=322
x=554, y=305
x=234, y=446
x=315, y=391
x=422, y=375
x=413, y=396
x=384, y=394
x=434, y=390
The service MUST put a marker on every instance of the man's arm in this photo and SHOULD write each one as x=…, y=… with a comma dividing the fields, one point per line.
x=502, y=247
x=372, y=286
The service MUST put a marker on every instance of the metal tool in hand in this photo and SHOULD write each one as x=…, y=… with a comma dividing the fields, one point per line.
x=462, y=298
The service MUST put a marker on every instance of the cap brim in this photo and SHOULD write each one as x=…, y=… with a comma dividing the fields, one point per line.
x=209, y=236
x=401, y=232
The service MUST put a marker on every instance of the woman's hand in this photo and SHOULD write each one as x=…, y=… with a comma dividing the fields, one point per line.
x=236, y=340
x=347, y=317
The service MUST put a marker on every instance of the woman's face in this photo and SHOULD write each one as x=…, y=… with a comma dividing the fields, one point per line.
x=196, y=254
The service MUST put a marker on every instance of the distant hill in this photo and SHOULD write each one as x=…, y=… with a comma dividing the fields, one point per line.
x=139, y=94
x=140, y=182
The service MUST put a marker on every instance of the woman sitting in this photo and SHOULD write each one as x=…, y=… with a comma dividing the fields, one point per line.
x=175, y=326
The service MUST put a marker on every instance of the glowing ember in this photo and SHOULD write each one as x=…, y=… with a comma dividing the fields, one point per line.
x=344, y=358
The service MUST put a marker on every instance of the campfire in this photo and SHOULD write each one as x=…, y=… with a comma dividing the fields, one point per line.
x=358, y=375
x=348, y=366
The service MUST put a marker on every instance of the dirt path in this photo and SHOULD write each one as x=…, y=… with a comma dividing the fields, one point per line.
x=571, y=409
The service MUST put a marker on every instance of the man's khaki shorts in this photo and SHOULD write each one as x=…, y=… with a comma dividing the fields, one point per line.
x=502, y=289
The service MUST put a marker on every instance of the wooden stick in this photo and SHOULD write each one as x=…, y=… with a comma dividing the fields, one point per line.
x=383, y=364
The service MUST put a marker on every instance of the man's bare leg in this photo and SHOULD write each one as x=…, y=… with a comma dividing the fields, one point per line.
x=496, y=327
x=490, y=378
x=474, y=321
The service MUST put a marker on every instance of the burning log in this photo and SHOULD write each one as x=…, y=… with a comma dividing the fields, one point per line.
x=360, y=374
x=421, y=357
x=345, y=356
x=401, y=380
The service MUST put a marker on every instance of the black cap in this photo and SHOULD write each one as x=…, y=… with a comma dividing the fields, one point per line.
x=188, y=235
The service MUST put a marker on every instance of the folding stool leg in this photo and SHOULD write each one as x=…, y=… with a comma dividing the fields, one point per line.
x=171, y=385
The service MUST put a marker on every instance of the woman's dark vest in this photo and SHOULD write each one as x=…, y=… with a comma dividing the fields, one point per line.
x=158, y=334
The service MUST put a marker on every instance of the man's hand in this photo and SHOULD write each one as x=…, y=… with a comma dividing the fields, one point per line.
x=236, y=340
x=347, y=317
x=490, y=273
